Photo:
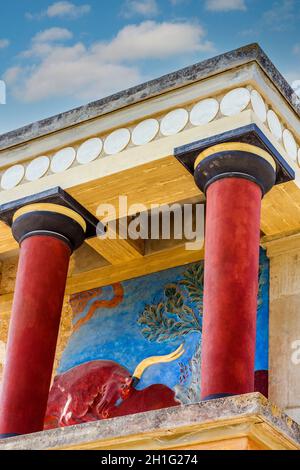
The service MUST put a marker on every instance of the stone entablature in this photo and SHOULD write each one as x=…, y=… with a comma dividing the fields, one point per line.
x=155, y=127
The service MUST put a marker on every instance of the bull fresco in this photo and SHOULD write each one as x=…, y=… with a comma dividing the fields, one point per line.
x=136, y=346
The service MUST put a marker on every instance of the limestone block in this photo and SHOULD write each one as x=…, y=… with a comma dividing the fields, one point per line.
x=240, y=422
x=8, y=278
x=284, y=345
x=284, y=389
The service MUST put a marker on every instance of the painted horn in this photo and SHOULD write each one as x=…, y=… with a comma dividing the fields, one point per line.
x=149, y=361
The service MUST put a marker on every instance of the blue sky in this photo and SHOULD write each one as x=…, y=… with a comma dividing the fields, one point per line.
x=56, y=55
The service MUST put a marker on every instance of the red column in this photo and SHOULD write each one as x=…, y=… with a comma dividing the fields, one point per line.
x=234, y=176
x=36, y=311
x=230, y=287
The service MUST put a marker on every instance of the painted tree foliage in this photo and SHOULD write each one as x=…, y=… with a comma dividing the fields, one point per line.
x=172, y=317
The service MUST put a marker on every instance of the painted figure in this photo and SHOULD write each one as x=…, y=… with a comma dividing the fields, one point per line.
x=104, y=389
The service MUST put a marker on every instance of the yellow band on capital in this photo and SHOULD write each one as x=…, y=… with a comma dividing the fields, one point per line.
x=55, y=208
x=235, y=146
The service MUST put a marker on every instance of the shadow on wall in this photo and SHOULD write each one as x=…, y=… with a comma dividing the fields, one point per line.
x=118, y=326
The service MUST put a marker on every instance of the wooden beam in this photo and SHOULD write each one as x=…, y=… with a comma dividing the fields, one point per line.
x=7, y=241
x=163, y=181
x=110, y=274
x=117, y=251
x=281, y=210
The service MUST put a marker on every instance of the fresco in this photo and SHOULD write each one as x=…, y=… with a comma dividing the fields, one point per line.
x=117, y=327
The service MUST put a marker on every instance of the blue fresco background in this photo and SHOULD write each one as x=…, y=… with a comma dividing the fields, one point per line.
x=114, y=333
x=262, y=321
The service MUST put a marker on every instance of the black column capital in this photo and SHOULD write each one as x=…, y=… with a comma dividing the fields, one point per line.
x=53, y=212
x=49, y=220
x=235, y=159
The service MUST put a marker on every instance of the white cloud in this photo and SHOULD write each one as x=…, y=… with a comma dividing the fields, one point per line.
x=152, y=40
x=4, y=43
x=296, y=87
x=42, y=42
x=71, y=72
x=63, y=9
x=12, y=74
x=52, y=34
x=225, y=5
x=2, y=92
x=104, y=67
x=280, y=16
x=147, y=8
x=283, y=15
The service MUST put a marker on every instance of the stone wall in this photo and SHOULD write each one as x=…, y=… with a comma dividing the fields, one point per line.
x=284, y=348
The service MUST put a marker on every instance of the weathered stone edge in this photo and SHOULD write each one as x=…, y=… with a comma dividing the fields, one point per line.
x=191, y=74
x=165, y=419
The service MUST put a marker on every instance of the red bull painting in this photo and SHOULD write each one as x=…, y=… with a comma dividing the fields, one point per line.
x=136, y=346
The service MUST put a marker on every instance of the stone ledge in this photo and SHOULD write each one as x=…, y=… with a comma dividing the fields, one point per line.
x=171, y=81
x=207, y=424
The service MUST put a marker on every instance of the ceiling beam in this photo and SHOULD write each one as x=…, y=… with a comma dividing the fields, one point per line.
x=148, y=264
x=117, y=250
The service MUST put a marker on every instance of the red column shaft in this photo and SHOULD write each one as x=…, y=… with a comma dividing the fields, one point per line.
x=36, y=311
x=230, y=287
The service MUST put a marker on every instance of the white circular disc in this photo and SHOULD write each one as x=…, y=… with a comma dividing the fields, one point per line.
x=204, y=112
x=12, y=176
x=290, y=144
x=259, y=106
x=145, y=131
x=174, y=122
x=37, y=168
x=89, y=150
x=63, y=159
x=274, y=124
x=235, y=101
x=117, y=141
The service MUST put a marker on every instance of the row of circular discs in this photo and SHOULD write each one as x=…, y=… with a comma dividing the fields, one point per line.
x=234, y=102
